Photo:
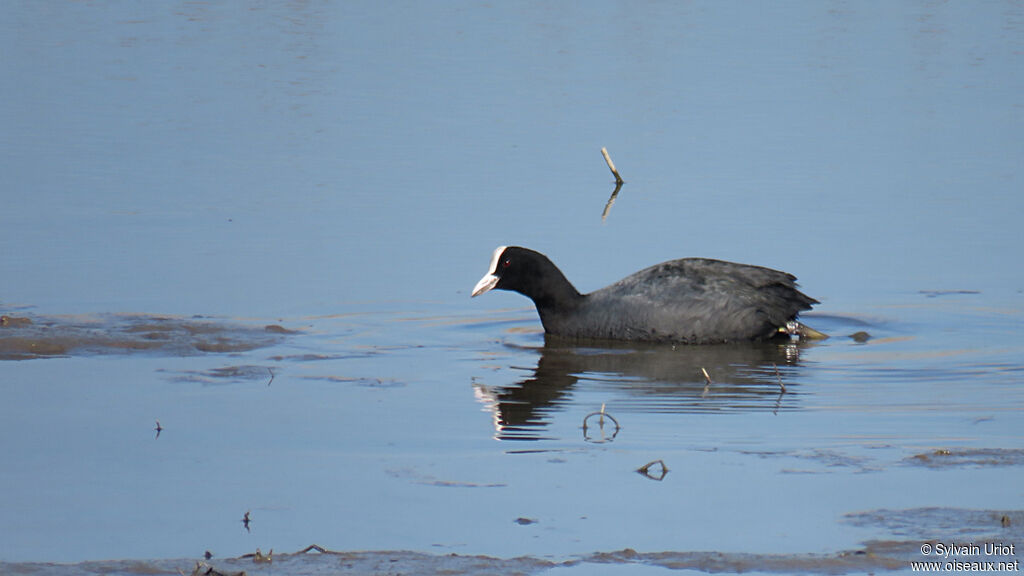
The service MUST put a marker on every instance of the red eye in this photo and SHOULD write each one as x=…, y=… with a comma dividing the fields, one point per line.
x=506, y=263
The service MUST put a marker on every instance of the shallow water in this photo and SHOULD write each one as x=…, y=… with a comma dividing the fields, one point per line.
x=256, y=230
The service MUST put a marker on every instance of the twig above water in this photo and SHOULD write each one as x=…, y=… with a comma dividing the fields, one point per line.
x=611, y=166
x=707, y=383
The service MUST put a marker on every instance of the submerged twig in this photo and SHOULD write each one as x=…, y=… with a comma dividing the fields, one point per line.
x=611, y=166
x=600, y=424
x=645, y=470
x=779, y=377
x=317, y=548
x=782, y=390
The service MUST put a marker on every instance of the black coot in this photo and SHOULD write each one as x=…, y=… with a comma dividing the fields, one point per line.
x=687, y=301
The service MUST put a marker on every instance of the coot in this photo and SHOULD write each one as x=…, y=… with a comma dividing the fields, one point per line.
x=686, y=301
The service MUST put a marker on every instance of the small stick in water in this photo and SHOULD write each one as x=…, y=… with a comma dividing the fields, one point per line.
x=659, y=475
x=779, y=377
x=600, y=423
x=707, y=383
x=611, y=166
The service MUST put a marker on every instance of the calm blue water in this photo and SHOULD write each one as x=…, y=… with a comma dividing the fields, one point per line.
x=346, y=169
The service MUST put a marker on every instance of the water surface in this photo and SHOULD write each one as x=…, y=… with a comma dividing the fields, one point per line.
x=259, y=225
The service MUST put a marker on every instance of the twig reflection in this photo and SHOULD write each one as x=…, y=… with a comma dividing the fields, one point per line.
x=611, y=200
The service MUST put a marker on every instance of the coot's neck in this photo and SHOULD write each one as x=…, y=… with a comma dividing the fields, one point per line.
x=552, y=292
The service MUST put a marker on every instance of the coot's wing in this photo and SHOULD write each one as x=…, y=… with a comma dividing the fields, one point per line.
x=701, y=300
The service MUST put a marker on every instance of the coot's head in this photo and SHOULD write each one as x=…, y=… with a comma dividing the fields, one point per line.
x=495, y=277
x=525, y=271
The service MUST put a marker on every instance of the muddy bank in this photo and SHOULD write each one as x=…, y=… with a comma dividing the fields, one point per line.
x=26, y=337
x=914, y=529
x=875, y=556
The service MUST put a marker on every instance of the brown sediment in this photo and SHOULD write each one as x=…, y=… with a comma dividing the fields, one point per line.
x=860, y=337
x=968, y=457
x=48, y=336
x=845, y=562
x=874, y=556
x=920, y=524
x=21, y=348
x=14, y=321
x=278, y=329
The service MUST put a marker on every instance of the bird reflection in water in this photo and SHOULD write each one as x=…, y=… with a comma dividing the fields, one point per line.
x=639, y=378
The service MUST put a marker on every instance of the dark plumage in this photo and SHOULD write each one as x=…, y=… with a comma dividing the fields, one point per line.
x=688, y=301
